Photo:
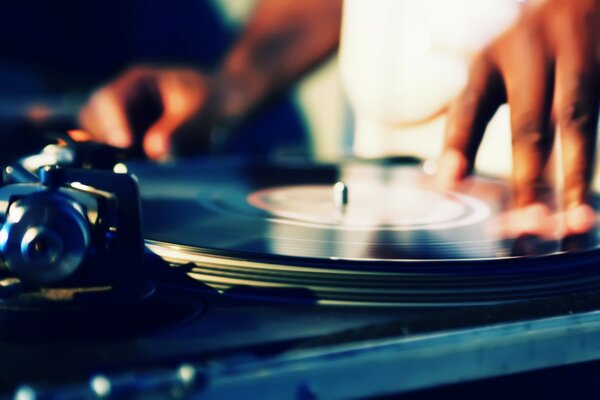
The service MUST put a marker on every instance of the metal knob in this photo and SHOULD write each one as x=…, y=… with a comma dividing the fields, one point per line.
x=340, y=196
x=41, y=246
x=45, y=237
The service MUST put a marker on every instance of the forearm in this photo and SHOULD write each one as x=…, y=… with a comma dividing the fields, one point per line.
x=283, y=40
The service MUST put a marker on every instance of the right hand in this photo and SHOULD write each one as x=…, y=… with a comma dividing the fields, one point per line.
x=183, y=99
x=546, y=67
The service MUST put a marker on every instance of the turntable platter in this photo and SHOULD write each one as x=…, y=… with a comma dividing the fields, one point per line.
x=395, y=241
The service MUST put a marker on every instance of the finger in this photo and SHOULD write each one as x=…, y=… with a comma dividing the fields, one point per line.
x=182, y=95
x=468, y=117
x=527, y=74
x=157, y=141
x=106, y=119
x=576, y=111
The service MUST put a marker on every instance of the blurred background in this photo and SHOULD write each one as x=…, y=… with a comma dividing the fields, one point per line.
x=53, y=54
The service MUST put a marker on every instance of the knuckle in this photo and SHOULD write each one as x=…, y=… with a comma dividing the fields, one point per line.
x=93, y=102
x=577, y=114
x=528, y=128
x=101, y=97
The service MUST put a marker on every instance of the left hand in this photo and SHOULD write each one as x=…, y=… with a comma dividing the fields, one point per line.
x=184, y=97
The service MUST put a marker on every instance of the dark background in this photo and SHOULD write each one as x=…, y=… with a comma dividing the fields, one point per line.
x=66, y=47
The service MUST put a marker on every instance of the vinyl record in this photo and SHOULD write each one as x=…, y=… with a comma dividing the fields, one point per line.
x=384, y=237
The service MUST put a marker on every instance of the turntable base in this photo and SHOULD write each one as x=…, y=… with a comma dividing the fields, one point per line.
x=250, y=261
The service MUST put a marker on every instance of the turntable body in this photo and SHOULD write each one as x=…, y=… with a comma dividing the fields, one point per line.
x=266, y=284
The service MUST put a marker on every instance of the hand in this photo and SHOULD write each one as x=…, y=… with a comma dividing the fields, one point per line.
x=282, y=41
x=181, y=98
x=546, y=68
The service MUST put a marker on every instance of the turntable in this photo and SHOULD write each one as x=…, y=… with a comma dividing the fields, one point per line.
x=294, y=280
x=356, y=234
